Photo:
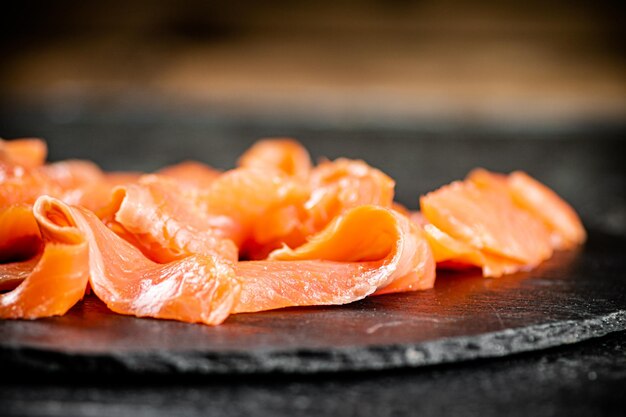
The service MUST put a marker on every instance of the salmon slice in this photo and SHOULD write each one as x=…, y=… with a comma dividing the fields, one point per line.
x=20, y=185
x=247, y=197
x=343, y=263
x=284, y=155
x=565, y=227
x=487, y=220
x=422, y=276
x=13, y=274
x=52, y=283
x=193, y=289
x=28, y=153
x=79, y=183
x=76, y=182
x=191, y=173
x=332, y=188
x=451, y=253
x=73, y=174
x=20, y=245
x=500, y=223
x=83, y=183
x=157, y=218
x=20, y=238
x=56, y=282
x=20, y=181
x=144, y=212
x=343, y=184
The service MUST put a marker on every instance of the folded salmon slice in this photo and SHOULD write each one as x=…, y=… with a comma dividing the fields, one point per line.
x=566, y=229
x=193, y=289
x=332, y=188
x=488, y=220
x=20, y=238
x=21, y=182
x=249, y=197
x=20, y=185
x=20, y=244
x=79, y=247
x=49, y=284
x=500, y=223
x=345, y=262
x=451, y=253
x=24, y=177
x=284, y=155
x=191, y=174
x=327, y=190
x=29, y=152
x=485, y=227
x=156, y=217
x=339, y=185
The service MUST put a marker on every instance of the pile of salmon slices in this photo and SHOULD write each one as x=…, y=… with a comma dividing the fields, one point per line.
x=195, y=244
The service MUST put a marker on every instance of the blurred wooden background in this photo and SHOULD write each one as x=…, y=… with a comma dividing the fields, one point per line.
x=368, y=61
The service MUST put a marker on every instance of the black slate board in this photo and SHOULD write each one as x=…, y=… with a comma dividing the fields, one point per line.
x=570, y=298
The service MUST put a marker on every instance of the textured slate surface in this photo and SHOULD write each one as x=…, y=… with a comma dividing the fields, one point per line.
x=584, y=379
x=572, y=297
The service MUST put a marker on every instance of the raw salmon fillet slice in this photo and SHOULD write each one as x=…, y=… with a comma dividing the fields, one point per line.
x=343, y=184
x=335, y=267
x=191, y=174
x=79, y=248
x=248, y=198
x=154, y=216
x=332, y=188
x=20, y=185
x=343, y=263
x=193, y=289
x=158, y=219
x=49, y=284
x=501, y=223
x=451, y=253
x=28, y=153
x=567, y=230
x=24, y=177
x=20, y=238
x=487, y=219
x=284, y=155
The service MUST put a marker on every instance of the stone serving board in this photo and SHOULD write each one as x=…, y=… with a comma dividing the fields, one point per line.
x=570, y=298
